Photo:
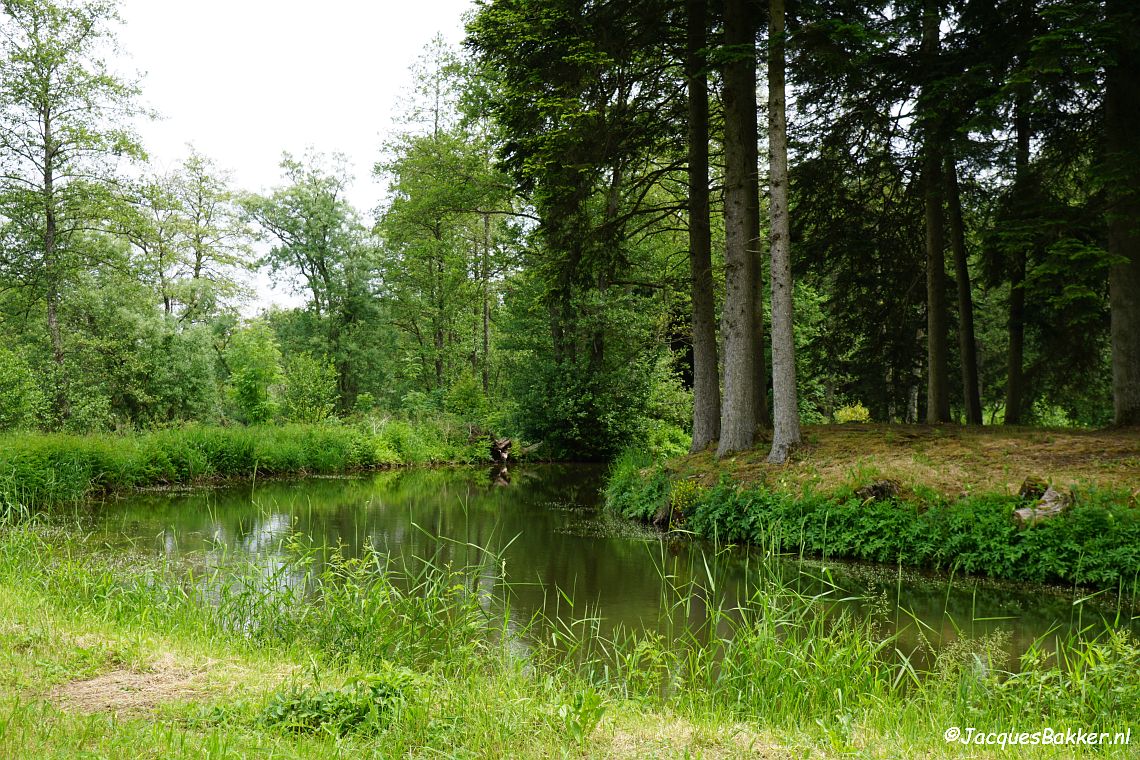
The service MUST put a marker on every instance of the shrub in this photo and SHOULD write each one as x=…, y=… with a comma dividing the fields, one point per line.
x=255, y=371
x=21, y=401
x=366, y=706
x=853, y=413
x=310, y=392
x=1095, y=543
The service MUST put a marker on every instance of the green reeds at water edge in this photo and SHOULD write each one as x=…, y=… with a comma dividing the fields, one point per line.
x=39, y=470
x=405, y=655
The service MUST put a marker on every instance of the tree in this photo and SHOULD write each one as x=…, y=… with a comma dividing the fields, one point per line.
x=216, y=237
x=61, y=135
x=1122, y=155
x=317, y=234
x=254, y=363
x=309, y=395
x=590, y=129
x=786, y=417
x=937, y=355
x=740, y=411
x=706, y=371
x=446, y=226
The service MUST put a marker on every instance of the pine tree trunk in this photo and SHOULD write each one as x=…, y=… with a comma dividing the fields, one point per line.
x=786, y=433
x=1122, y=143
x=750, y=138
x=1015, y=376
x=938, y=385
x=966, y=341
x=706, y=375
x=738, y=413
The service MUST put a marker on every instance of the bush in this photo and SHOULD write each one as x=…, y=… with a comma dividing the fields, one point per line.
x=1096, y=543
x=21, y=401
x=366, y=706
x=310, y=392
x=853, y=413
x=255, y=372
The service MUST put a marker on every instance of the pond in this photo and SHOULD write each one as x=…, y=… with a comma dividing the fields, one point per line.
x=561, y=554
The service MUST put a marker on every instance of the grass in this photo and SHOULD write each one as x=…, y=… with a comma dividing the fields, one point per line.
x=949, y=505
x=330, y=656
x=42, y=469
x=947, y=460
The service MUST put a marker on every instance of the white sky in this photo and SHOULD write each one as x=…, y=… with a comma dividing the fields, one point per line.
x=244, y=80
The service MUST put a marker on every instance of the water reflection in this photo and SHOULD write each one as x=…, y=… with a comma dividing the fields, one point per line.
x=563, y=557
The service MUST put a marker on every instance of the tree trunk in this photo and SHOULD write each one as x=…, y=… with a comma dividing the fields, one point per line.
x=485, y=275
x=966, y=341
x=1122, y=143
x=706, y=376
x=1015, y=376
x=738, y=413
x=750, y=136
x=62, y=404
x=938, y=385
x=786, y=433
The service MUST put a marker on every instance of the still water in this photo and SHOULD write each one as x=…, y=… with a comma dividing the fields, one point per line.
x=562, y=555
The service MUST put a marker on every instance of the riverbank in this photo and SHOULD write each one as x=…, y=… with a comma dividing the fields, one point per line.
x=125, y=656
x=928, y=497
x=39, y=469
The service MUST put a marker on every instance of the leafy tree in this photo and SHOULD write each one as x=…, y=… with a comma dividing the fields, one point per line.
x=21, y=402
x=62, y=112
x=447, y=230
x=318, y=236
x=310, y=389
x=254, y=363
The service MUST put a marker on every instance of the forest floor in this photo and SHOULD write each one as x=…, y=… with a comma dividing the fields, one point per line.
x=950, y=460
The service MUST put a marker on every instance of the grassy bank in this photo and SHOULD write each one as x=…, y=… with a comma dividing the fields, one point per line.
x=948, y=505
x=366, y=657
x=38, y=469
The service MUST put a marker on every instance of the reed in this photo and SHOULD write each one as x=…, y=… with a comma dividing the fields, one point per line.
x=325, y=654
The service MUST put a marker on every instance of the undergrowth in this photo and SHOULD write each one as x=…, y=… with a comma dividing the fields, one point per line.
x=41, y=469
x=1095, y=543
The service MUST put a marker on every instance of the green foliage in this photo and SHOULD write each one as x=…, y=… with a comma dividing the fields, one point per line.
x=467, y=400
x=638, y=486
x=366, y=706
x=581, y=715
x=852, y=413
x=44, y=469
x=310, y=392
x=21, y=401
x=254, y=363
x=1096, y=543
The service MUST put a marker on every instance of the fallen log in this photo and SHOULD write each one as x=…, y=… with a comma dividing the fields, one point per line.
x=500, y=450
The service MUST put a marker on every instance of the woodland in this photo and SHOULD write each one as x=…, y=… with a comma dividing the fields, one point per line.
x=605, y=224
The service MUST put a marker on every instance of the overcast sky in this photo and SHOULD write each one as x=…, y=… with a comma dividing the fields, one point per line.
x=244, y=80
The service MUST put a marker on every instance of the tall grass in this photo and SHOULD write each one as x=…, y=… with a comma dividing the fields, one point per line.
x=438, y=645
x=43, y=469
